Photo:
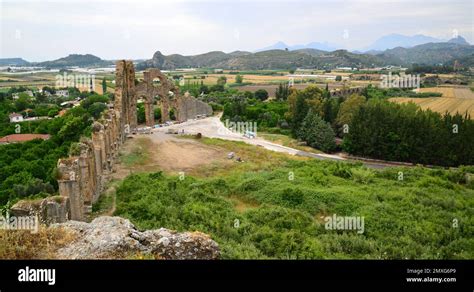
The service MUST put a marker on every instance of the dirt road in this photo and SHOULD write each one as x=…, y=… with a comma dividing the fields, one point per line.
x=212, y=127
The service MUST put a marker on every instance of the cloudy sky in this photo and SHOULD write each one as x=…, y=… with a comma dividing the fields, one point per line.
x=46, y=30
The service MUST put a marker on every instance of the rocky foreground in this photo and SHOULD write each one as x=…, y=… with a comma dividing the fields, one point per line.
x=116, y=237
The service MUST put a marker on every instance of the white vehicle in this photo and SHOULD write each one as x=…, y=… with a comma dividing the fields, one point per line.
x=250, y=135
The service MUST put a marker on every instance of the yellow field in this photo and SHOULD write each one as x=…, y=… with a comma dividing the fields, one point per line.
x=451, y=92
x=442, y=104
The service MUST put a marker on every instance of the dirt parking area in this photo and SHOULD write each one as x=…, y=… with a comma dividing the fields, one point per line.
x=166, y=152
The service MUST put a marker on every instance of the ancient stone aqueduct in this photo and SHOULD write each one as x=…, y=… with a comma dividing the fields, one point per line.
x=81, y=176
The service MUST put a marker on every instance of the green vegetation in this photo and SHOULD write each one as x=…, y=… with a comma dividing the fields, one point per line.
x=261, y=94
x=433, y=69
x=403, y=132
x=137, y=155
x=239, y=79
x=375, y=92
x=265, y=114
x=282, y=92
x=29, y=169
x=317, y=133
x=265, y=214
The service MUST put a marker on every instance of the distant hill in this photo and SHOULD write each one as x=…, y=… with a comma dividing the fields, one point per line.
x=429, y=54
x=397, y=40
x=313, y=45
x=179, y=61
x=458, y=40
x=13, y=62
x=73, y=60
x=271, y=59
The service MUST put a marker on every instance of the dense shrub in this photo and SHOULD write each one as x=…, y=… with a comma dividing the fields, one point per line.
x=283, y=218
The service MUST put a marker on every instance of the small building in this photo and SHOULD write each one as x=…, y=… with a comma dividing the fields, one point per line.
x=19, y=138
x=15, y=118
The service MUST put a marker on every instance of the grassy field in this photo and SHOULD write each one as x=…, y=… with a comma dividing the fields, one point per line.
x=273, y=206
x=287, y=141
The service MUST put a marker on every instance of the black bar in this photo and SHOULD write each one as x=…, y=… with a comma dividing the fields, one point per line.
x=369, y=274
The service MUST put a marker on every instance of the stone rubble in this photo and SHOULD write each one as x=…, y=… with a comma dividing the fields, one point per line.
x=116, y=237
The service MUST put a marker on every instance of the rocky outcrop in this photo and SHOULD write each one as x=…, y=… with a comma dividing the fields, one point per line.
x=116, y=237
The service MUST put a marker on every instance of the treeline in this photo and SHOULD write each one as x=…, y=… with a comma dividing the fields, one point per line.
x=313, y=117
x=436, y=69
x=369, y=124
x=403, y=132
x=373, y=127
x=375, y=92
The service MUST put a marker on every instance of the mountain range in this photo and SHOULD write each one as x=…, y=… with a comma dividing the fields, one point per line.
x=383, y=43
x=313, y=45
x=72, y=60
x=287, y=58
x=429, y=54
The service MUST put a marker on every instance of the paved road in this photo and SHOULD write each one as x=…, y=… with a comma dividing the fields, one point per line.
x=212, y=127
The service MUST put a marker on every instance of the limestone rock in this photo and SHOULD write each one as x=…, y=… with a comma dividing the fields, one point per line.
x=116, y=237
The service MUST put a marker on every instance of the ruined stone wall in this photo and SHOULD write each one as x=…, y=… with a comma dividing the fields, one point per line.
x=50, y=210
x=81, y=176
x=186, y=107
x=125, y=94
x=189, y=107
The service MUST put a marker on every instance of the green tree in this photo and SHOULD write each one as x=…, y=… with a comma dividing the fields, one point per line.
x=261, y=94
x=239, y=79
x=326, y=93
x=96, y=109
x=104, y=86
x=23, y=102
x=348, y=109
x=282, y=92
x=317, y=133
x=222, y=80
x=249, y=94
x=300, y=112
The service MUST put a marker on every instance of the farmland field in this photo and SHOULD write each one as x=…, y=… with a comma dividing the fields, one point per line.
x=441, y=104
x=454, y=99
x=450, y=92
